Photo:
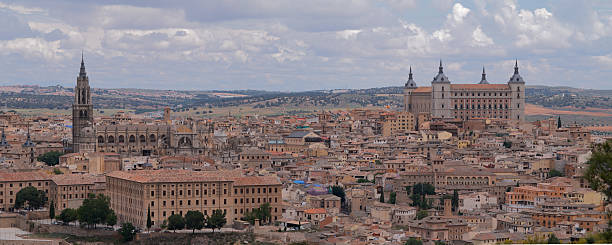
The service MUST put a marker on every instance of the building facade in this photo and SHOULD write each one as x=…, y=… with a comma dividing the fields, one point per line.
x=466, y=101
x=168, y=192
x=82, y=114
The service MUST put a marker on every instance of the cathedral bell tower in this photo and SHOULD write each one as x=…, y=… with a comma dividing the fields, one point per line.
x=82, y=113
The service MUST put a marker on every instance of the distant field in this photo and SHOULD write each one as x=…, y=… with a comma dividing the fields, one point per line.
x=539, y=110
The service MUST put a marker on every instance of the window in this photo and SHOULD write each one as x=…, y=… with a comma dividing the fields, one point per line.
x=152, y=203
x=152, y=193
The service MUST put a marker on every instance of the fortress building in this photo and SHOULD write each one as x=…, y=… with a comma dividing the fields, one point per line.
x=444, y=99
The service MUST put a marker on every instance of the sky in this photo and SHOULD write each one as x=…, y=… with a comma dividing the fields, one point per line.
x=303, y=45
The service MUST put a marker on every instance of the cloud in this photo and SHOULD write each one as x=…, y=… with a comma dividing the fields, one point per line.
x=480, y=39
x=260, y=44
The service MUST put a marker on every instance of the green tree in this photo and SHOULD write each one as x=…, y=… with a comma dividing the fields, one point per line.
x=111, y=218
x=382, y=196
x=194, y=220
x=216, y=220
x=265, y=212
x=439, y=243
x=363, y=181
x=56, y=171
x=34, y=198
x=599, y=170
x=51, y=210
x=149, y=222
x=339, y=192
x=553, y=239
x=455, y=200
x=68, y=215
x=176, y=222
x=127, y=232
x=50, y=158
x=421, y=214
x=94, y=210
x=413, y=241
x=554, y=173
x=508, y=144
x=392, y=197
x=252, y=216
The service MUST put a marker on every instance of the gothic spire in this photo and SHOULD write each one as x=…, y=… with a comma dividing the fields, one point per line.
x=28, y=142
x=483, y=80
x=410, y=74
x=440, y=69
x=82, y=73
x=410, y=83
x=3, y=139
x=516, y=66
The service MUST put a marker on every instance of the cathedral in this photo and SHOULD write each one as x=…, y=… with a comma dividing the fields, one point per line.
x=159, y=138
x=447, y=100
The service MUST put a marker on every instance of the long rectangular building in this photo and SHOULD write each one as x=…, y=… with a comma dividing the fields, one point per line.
x=168, y=192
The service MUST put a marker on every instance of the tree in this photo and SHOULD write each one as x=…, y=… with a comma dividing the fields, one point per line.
x=265, y=212
x=439, y=243
x=149, y=222
x=413, y=241
x=599, y=170
x=68, y=215
x=111, y=218
x=339, y=192
x=50, y=158
x=51, y=210
x=559, y=122
x=34, y=198
x=56, y=171
x=421, y=214
x=363, y=180
x=508, y=144
x=95, y=210
x=194, y=220
x=127, y=232
x=553, y=239
x=176, y=222
x=392, y=197
x=455, y=200
x=554, y=173
x=382, y=196
x=216, y=220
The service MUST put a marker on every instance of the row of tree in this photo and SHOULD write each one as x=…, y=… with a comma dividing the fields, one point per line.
x=195, y=220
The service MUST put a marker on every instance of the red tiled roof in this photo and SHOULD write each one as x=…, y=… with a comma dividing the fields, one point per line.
x=315, y=211
x=23, y=176
x=480, y=86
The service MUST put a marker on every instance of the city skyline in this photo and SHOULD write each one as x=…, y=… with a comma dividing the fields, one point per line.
x=279, y=46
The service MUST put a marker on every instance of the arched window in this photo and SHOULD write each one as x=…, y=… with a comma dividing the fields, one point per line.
x=121, y=139
x=100, y=139
x=83, y=97
x=132, y=139
x=142, y=138
x=152, y=138
x=111, y=139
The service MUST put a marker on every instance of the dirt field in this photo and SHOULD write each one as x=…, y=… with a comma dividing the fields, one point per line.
x=531, y=109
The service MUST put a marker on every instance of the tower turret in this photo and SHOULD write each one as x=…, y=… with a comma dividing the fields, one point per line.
x=483, y=80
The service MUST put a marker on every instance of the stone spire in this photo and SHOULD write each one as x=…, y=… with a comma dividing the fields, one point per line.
x=516, y=77
x=410, y=83
x=28, y=142
x=441, y=77
x=82, y=73
x=3, y=139
x=483, y=80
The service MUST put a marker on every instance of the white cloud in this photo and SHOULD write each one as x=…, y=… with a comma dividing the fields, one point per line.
x=459, y=13
x=348, y=34
x=21, y=9
x=442, y=35
x=33, y=48
x=480, y=39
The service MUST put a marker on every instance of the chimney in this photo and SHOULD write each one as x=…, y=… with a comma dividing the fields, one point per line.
x=448, y=211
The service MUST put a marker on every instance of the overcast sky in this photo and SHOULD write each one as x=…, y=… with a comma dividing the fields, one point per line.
x=303, y=45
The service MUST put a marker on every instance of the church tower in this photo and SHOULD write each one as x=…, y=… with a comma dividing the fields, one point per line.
x=82, y=110
x=440, y=95
x=517, y=102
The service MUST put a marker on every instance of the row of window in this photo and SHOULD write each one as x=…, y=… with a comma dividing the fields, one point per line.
x=205, y=192
x=29, y=184
x=131, y=139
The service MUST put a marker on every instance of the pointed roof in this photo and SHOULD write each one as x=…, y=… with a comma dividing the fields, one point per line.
x=483, y=80
x=441, y=77
x=82, y=72
x=410, y=83
x=3, y=139
x=29, y=142
x=516, y=77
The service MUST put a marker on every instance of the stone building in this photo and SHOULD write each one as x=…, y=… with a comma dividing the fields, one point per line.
x=466, y=101
x=168, y=192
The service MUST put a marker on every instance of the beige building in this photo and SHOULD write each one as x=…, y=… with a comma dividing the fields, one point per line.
x=399, y=123
x=69, y=190
x=467, y=101
x=168, y=192
x=11, y=183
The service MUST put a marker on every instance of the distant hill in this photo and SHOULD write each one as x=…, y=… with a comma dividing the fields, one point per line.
x=142, y=100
